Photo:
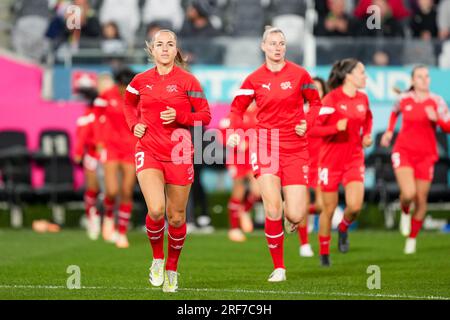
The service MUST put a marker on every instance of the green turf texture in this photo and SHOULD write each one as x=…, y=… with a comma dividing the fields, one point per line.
x=33, y=266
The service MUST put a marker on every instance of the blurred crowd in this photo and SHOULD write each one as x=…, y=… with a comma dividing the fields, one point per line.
x=116, y=26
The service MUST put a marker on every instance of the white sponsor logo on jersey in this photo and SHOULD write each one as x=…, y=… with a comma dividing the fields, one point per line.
x=149, y=86
x=286, y=85
x=267, y=86
x=343, y=107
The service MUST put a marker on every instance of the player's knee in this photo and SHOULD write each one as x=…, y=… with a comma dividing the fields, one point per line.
x=273, y=211
x=177, y=221
x=156, y=212
x=408, y=195
x=354, y=208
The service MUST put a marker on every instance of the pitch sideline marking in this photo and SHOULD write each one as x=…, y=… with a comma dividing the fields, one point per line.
x=338, y=294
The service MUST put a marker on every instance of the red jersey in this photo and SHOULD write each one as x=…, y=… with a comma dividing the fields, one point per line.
x=339, y=148
x=152, y=93
x=114, y=132
x=418, y=133
x=249, y=121
x=86, y=141
x=279, y=99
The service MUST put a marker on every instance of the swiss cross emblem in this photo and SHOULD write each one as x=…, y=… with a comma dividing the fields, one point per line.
x=171, y=88
x=361, y=108
x=286, y=85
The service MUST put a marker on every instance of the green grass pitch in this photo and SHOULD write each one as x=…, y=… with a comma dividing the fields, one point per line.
x=34, y=266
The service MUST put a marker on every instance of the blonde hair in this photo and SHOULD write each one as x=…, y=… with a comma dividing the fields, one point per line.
x=270, y=29
x=179, y=59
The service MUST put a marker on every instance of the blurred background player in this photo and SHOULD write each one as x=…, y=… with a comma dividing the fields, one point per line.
x=314, y=150
x=345, y=122
x=279, y=88
x=415, y=149
x=241, y=200
x=87, y=155
x=118, y=145
x=165, y=95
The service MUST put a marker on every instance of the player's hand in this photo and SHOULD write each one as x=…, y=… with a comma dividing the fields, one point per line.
x=386, y=139
x=367, y=141
x=300, y=129
x=431, y=114
x=233, y=140
x=341, y=125
x=168, y=115
x=139, y=130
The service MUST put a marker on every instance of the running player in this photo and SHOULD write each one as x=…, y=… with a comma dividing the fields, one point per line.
x=165, y=95
x=118, y=145
x=415, y=149
x=279, y=88
x=87, y=155
x=241, y=202
x=314, y=143
x=345, y=122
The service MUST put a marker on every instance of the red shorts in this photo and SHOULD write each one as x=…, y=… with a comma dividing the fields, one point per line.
x=292, y=168
x=330, y=176
x=423, y=166
x=313, y=176
x=179, y=174
x=238, y=171
x=116, y=154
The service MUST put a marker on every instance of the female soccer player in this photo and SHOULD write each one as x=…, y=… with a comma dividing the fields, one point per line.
x=345, y=122
x=415, y=149
x=314, y=150
x=87, y=155
x=280, y=157
x=118, y=157
x=238, y=164
x=165, y=95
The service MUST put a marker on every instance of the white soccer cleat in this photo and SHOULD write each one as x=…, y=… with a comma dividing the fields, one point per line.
x=410, y=246
x=278, y=275
x=156, y=275
x=170, y=281
x=93, y=225
x=108, y=229
x=405, y=224
x=236, y=235
x=122, y=241
x=306, y=250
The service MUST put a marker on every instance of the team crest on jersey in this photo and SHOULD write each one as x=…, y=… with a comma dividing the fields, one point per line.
x=305, y=169
x=361, y=108
x=114, y=102
x=408, y=107
x=343, y=107
x=286, y=85
x=267, y=86
x=171, y=88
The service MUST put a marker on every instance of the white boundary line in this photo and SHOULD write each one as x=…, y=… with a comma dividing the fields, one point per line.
x=335, y=294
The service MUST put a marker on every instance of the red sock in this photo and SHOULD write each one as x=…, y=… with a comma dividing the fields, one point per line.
x=312, y=209
x=416, y=225
x=90, y=200
x=124, y=217
x=109, y=207
x=250, y=201
x=275, y=238
x=155, y=233
x=176, y=240
x=343, y=226
x=405, y=208
x=234, y=207
x=303, y=234
x=324, y=244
